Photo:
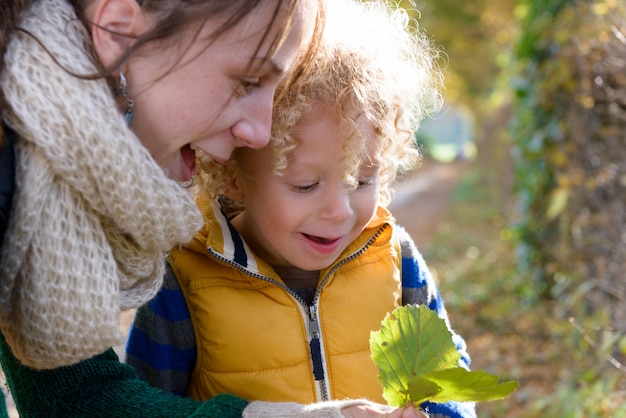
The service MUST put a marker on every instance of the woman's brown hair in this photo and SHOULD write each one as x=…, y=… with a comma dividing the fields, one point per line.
x=9, y=13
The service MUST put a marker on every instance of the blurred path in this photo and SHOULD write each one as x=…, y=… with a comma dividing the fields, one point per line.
x=422, y=198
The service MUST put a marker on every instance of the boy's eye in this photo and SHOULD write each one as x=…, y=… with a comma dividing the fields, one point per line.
x=303, y=188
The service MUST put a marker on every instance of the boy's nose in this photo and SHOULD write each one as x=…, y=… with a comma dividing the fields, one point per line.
x=336, y=205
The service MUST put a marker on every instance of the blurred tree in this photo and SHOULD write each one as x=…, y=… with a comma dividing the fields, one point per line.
x=570, y=155
x=477, y=37
x=570, y=135
x=477, y=41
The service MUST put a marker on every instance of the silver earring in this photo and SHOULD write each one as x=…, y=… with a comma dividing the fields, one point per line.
x=121, y=91
x=187, y=184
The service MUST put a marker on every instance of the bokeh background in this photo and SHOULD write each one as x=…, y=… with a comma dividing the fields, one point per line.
x=530, y=250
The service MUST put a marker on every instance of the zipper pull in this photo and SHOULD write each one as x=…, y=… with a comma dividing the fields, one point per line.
x=314, y=344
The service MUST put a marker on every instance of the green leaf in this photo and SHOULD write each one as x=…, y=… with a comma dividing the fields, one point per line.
x=421, y=389
x=412, y=340
x=459, y=385
x=417, y=361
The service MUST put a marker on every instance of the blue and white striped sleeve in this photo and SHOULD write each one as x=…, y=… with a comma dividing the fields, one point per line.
x=161, y=343
x=419, y=287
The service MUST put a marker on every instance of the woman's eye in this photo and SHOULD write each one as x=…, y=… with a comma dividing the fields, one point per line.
x=365, y=182
x=250, y=84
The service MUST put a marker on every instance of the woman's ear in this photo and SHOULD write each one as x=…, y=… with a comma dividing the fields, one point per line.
x=115, y=25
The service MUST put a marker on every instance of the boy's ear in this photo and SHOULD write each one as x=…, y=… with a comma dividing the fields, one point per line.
x=234, y=190
x=115, y=25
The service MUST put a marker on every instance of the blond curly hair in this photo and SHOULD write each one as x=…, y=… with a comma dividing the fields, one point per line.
x=373, y=62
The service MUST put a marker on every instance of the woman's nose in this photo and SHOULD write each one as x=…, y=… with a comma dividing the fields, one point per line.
x=253, y=130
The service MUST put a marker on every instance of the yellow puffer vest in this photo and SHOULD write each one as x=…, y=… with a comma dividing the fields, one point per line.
x=256, y=340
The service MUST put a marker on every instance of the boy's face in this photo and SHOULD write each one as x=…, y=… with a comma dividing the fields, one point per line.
x=308, y=216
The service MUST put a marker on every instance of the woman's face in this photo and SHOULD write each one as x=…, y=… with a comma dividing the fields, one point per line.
x=210, y=99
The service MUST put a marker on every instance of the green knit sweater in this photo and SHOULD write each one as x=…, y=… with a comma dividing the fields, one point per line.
x=3, y=406
x=101, y=386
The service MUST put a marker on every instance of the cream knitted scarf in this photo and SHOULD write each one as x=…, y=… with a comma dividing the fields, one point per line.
x=93, y=214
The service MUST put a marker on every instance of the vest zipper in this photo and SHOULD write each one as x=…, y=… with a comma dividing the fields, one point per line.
x=247, y=272
x=315, y=345
x=315, y=338
x=310, y=312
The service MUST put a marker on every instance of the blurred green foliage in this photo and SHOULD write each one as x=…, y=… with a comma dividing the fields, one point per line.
x=533, y=259
x=569, y=130
x=539, y=86
x=564, y=365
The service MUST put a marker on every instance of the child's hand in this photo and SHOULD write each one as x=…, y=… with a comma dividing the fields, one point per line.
x=348, y=408
x=375, y=410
